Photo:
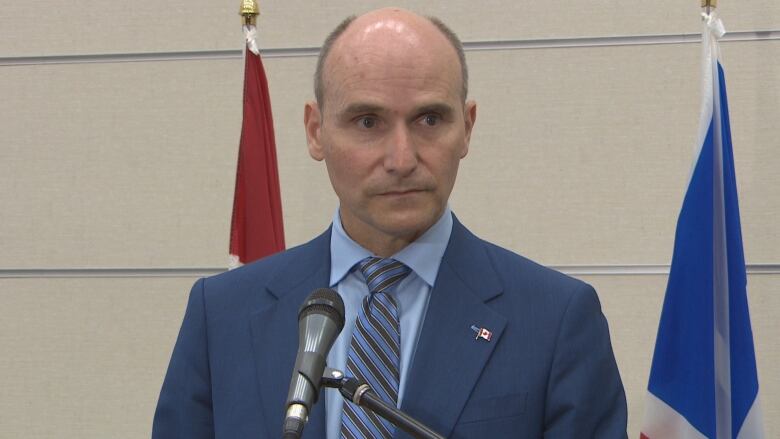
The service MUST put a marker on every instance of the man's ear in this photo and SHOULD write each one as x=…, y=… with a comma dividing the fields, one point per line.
x=469, y=117
x=312, y=121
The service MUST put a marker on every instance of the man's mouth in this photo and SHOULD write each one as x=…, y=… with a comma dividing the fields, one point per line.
x=402, y=192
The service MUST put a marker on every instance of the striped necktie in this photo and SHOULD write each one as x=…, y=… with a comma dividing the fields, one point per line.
x=375, y=349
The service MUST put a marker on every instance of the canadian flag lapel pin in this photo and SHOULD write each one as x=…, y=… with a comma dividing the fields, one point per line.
x=482, y=333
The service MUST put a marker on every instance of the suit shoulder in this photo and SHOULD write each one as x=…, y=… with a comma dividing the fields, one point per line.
x=535, y=293
x=517, y=270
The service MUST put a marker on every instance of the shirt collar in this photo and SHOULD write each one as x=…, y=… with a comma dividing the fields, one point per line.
x=423, y=255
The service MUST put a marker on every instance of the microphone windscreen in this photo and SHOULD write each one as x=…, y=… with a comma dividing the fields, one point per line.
x=324, y=301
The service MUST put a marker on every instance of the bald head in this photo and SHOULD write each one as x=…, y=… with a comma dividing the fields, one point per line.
x=390, y=27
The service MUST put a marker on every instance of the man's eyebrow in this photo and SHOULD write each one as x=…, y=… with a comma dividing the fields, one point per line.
x=438, y=108
x=368, y=108
x=361, y=108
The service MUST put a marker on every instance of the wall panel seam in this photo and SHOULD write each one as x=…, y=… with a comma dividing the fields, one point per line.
x=189, y=272
x=475, y=46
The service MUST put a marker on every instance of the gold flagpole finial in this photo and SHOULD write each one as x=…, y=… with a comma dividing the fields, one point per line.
x=709, y=3
x=708, y=6
x=249, y=12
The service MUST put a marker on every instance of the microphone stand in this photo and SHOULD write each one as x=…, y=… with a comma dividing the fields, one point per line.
x=361, y=394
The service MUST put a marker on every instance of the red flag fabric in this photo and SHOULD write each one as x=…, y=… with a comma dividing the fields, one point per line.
x=256, y=228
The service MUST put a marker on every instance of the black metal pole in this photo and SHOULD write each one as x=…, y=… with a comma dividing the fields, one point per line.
x=361, y=394
x=400, y=419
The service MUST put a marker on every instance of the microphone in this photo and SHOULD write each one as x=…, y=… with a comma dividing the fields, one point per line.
x=320, y=321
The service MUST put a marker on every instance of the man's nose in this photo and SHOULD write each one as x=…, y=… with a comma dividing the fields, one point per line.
x=401, y=152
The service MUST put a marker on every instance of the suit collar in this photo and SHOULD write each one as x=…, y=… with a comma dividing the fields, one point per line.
x=449, y=358
x=468, y=260
x=302, y=263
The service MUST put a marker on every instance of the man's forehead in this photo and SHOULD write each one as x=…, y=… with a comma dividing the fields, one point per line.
x=397, y=89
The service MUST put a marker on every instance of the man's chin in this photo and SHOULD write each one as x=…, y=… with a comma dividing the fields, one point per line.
x=407, y=224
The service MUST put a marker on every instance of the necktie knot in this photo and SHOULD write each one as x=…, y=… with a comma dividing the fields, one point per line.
x=381, y=274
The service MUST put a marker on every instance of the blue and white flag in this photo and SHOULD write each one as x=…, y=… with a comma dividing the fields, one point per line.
x=703, y=382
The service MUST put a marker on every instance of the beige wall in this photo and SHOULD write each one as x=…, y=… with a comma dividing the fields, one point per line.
x=117, y=175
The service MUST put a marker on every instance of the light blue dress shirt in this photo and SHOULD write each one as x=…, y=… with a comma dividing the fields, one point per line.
x=423, y=256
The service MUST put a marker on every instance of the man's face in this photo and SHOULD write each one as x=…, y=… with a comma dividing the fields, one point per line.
x=393, y=130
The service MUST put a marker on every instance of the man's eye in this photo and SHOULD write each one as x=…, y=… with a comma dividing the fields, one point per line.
x=367, y=122
x=431, y=119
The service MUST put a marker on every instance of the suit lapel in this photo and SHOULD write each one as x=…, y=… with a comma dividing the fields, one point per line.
x=275, y=333
x=449, y=359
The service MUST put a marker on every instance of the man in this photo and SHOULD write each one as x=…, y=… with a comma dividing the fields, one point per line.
x=491, y=345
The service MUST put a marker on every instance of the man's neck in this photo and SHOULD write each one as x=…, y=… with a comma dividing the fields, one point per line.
x=381, y=244
x=386, y=242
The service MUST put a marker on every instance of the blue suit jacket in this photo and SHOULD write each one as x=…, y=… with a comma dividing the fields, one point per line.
x=548, y=370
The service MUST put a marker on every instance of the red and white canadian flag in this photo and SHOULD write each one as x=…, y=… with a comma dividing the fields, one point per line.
x=256, y=227
x=485, y=334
